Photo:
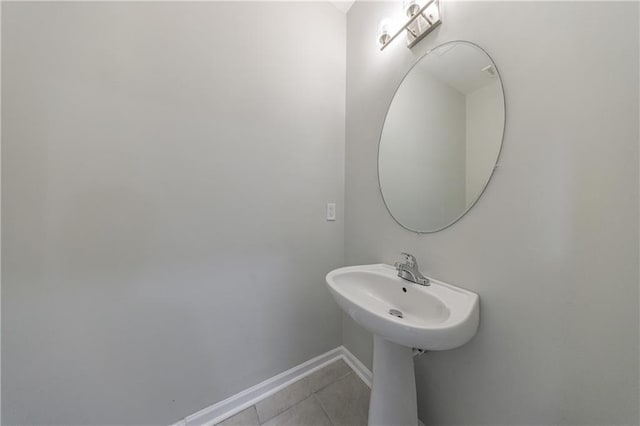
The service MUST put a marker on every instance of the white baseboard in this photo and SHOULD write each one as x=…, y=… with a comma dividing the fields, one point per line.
x=356, y=365
x=248, y=397
x=234, y=404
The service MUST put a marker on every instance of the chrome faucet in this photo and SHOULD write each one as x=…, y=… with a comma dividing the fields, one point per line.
x=408, y=270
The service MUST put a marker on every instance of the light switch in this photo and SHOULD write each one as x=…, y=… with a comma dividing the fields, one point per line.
x=331, y=211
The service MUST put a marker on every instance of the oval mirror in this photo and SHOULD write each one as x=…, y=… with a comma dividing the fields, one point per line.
x=441, y=137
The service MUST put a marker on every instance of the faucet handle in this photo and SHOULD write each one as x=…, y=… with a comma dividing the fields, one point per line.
x=410, y=259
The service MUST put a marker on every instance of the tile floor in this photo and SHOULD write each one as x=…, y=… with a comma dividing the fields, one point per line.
x=331, y=396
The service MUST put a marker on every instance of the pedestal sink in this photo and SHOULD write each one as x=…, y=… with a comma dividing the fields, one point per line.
x=402, y=316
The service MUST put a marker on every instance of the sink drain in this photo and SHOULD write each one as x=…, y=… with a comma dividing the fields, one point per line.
x=395, y=313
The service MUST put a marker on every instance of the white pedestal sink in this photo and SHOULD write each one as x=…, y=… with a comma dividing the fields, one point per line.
x=402, y=315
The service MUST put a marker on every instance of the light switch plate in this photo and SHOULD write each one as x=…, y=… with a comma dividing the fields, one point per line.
x=331, y=211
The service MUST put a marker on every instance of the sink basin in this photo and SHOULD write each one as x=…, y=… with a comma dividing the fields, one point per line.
x=435, y=317
x=402, y=315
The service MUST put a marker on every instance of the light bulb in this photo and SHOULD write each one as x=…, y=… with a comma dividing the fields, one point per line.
x=411, y=7
x=383, y=32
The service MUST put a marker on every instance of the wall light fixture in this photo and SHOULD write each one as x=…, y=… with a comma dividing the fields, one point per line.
x=421, y=21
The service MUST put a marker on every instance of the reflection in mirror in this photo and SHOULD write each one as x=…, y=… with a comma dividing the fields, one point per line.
x=441, y=137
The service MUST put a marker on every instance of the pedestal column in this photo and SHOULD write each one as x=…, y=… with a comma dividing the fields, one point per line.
x=393, y=391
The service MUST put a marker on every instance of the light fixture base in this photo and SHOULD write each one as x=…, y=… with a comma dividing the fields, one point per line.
x=412, y=39
x=422, y=21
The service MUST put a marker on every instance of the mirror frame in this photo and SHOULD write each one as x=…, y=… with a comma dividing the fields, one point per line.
x=495, y=166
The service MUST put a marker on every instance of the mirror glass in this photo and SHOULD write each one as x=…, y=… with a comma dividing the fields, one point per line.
x=441, y=137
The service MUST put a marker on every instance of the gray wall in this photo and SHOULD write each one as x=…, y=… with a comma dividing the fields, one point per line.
x=165, y=172
x=552, y=246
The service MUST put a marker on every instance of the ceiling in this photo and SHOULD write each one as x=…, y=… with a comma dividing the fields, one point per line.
x=342, y=5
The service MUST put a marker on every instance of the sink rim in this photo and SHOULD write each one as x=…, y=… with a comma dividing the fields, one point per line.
x=462, y=305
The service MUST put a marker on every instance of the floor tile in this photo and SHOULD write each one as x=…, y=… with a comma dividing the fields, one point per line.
x=283, y=399
x=248, y=417
x=346, y=401
x=305, y=413
x=328, y=375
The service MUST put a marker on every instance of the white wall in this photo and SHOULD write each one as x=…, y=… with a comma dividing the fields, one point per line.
x=552, y=245
x=165, y=172
x=485, y=125
x=423, y=154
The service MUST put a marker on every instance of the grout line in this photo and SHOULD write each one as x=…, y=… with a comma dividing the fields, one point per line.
x=323, y=409
x=337, y=379
x=306, y=384
x=257, y=416
x=254, y=409
x=351, y=371
x=254, y=394
x=312, y=394
x=251, y=406
x=227, y=408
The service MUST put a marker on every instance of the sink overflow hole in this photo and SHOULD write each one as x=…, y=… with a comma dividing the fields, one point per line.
x=395, y=313
x=404, y=289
